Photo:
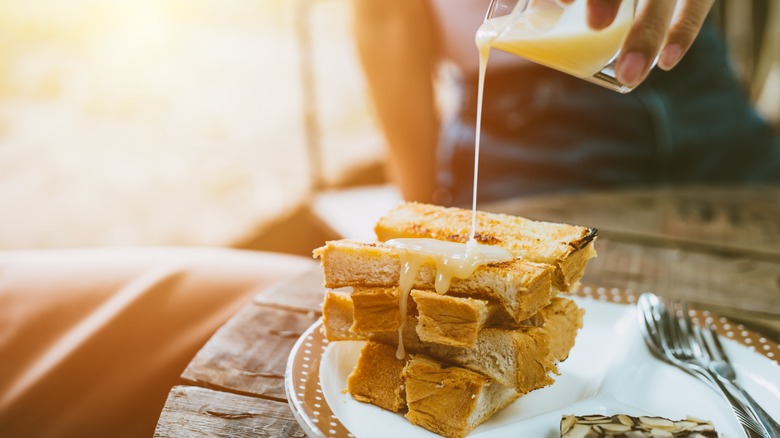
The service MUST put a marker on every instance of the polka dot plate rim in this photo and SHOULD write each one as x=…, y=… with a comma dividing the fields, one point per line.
x=316, y=417
x=748, y=337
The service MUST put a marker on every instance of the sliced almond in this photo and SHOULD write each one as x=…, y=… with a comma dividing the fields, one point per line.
x=661, y=433
x=578, y=431
x=567, y=422
x=656, y=422
x=612, y=427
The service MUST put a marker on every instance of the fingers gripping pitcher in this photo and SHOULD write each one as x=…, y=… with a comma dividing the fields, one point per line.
x=556, y=34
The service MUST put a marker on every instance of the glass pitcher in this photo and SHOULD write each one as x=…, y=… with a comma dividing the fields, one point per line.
x=558, y=36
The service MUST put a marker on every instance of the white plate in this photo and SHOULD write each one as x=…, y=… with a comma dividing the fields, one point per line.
x=609, y=371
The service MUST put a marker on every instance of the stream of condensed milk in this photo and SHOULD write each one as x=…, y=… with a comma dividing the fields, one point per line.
x=549, y=36
x=452, y=259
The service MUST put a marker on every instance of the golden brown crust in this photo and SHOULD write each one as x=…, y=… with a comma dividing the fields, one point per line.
x=445, y=399
x=520, y=287
x=376, y=378
x=562, y=320
x=449, y=400
x=448, y=320
x=442, y=319
x=492, y=337
x=337, y=317
x=518, y=358
x=537, y=241
x=375, y=309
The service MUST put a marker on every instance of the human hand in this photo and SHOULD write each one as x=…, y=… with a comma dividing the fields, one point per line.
x=665, y=26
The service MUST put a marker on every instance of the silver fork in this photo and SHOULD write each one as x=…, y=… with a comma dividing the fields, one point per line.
x=703, y=349
x=668, y=340
x=688, y=348
x=721, y=367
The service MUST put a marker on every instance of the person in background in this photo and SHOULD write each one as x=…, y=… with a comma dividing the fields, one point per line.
x=688, y=121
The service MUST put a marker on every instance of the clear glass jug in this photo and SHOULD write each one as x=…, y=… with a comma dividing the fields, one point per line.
x=557, y=35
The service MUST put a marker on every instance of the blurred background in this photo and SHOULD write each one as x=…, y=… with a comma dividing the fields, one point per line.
x=176, y=122
x=206, y=122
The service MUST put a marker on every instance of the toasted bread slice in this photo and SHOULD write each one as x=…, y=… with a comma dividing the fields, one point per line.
x=376, y=309
x=376, y=378
x=520, y=287
x=445, y=399
x=566, y=247
x=338, y=317
x=518, y=358
x=562, y=319
x=454, y=321
x=441, y=319
x=444, y=319
x=451, y=400
x=448, y=320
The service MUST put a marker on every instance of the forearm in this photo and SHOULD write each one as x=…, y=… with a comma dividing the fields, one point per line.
x=397, y=47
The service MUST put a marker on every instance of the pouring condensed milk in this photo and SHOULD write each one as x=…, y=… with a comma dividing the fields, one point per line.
x=557, y=35
x=549, y=33
x=452, y=260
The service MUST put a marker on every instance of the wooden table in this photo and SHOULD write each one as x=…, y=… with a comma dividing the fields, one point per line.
x=717, y=248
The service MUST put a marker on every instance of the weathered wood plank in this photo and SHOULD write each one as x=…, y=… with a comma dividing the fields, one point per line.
x=191, y=411
x=720, y=280
x=249, y=353
x=304, y=292
x=741, y=220
x=743, y=290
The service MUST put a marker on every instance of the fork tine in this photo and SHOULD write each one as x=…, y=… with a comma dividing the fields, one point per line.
x=650, y=323
x=646, y=320
x=678, y=329
x=655, y=323
x=713, y=345
x=671, y=337
x=670, y=329
x=694, y=335
x=727, y=371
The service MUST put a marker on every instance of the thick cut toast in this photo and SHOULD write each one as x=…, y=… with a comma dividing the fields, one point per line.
x=454, y=321
x=441, y=319
x=451, y=400
x=518, y=358
x=562, y=319
x=445, y=399
x=466, y=354
x=338, y=317
x=457, y=321
x=566, y=247
x=520, y=287
x=376, y=309
x=376, y=378
x=448, y=320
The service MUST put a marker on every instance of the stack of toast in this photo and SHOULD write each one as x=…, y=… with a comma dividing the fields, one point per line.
x=465, y=354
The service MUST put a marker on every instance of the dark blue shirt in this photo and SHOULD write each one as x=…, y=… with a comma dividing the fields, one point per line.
x=544, y=131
